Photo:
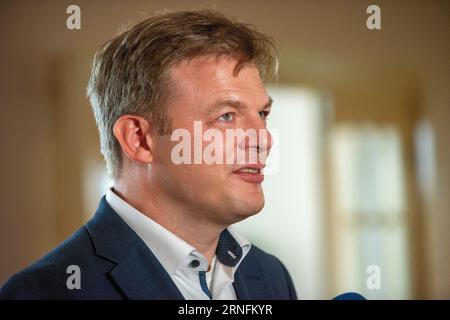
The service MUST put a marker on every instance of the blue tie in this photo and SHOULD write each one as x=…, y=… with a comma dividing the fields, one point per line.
x=203, y=284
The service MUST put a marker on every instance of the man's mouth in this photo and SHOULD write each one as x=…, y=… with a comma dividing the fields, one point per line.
x=252, y=173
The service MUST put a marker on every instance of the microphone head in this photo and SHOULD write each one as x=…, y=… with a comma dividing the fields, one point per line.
x=349, y=296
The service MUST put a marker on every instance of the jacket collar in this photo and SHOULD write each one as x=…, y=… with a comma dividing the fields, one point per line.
x=137, y=273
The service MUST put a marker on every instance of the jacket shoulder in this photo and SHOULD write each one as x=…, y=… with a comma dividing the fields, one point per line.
x=47, y=277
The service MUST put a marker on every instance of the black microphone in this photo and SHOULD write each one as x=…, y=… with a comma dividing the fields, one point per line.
x=349, y=296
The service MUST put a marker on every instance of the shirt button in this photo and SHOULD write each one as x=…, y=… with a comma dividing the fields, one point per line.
x=194, y=264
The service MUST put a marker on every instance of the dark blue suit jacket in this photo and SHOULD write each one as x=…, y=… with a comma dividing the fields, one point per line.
x=116, y=264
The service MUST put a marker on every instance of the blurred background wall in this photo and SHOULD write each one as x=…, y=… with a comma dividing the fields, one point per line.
x=366, y=117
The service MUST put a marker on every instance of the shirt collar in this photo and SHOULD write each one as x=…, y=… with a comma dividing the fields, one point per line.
x=172, y=251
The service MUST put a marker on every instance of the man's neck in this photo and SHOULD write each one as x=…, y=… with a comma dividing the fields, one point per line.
x=186, y=224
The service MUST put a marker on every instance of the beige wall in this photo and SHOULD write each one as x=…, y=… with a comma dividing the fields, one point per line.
x=395, y=75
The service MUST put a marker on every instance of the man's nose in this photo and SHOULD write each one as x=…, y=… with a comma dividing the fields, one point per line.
x=262, y=140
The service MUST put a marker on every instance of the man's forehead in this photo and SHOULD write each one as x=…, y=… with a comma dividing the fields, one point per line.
x=212, y=65
x=210, y=81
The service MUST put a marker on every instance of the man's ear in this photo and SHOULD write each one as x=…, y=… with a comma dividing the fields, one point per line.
x=134, y=135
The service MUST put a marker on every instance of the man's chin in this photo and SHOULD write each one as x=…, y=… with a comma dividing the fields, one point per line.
x=248, y=208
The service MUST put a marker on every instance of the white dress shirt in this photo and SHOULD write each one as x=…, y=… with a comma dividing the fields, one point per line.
x=177, y=256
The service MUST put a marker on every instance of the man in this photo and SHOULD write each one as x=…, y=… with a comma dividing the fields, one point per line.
x=162, y=231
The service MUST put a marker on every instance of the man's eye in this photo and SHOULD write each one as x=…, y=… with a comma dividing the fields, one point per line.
x=226, y=117
x=264, y=114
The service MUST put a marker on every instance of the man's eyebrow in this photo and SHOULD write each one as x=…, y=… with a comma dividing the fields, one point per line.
x=235, y=104
x=268, y=105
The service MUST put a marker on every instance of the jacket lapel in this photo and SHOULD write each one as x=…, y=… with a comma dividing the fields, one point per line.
x=140, y=276
x=240, y=286
x=137, y=273
x=248, y=286
x=249, y=281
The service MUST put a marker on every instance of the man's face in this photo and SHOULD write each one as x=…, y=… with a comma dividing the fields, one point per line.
x=208, y=91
